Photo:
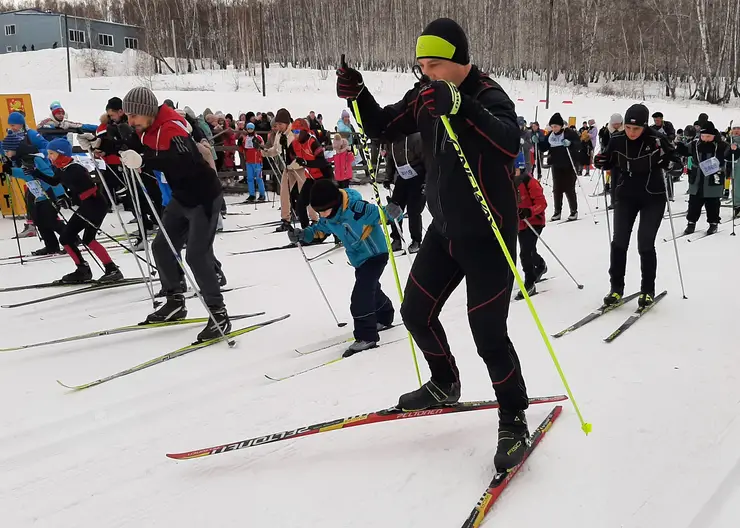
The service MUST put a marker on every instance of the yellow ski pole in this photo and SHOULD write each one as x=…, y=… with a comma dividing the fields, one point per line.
x=368, y=157
x=585, y=426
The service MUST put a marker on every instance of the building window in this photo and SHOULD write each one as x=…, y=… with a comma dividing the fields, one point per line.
x=131, y=43
x=10, y=30
x=75, y=35
x=9, y=49
x=105, y=40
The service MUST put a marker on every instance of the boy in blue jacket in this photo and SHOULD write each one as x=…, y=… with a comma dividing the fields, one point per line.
x=356, y=223
x=42, y=199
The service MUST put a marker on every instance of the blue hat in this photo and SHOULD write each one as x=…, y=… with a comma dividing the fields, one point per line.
x=55, y=105
x=250, y=126
x=11, y=142
x=16, y=118
x=60, y=146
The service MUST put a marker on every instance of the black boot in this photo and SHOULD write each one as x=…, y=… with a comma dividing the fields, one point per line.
x=531, y=290
x=112, y=274
x=81, y=275
x=431, y=394
x=614, y=297
x=414, y=247
x=540, y=272
x=46, y=251
x=173, y=310
x=645, y=299
x=712, y=229
x=211, y=331
x=513, y=440
x=396, y=245
x=690, y=228
x=284, y=226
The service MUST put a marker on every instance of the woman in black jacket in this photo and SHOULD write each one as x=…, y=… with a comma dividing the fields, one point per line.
x=563, y=145
x=640, y=154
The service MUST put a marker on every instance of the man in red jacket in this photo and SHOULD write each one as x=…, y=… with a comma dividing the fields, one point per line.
x=162, y=142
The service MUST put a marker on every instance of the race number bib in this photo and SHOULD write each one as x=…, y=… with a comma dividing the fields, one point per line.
x=36, y=189
x=709, y=166
x=406, y=172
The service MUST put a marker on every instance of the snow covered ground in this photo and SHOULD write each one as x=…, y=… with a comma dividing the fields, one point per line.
x=664, y=398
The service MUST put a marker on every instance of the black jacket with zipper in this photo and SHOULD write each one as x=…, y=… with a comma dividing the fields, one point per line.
x=489, y=136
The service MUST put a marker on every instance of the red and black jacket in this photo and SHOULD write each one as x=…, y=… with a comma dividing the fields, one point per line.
x=75, y=179
x=488, y=132
x=530, y=196
x=312, y=152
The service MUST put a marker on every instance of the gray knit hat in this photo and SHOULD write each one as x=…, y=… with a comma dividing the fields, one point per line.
x=141, y=101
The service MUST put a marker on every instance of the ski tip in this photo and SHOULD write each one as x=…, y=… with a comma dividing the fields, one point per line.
x=66, y=386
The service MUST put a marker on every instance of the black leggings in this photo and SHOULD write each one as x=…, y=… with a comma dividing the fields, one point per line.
x=712, y=205
x=564, y=182
x=651, y=209
x=409, y=195
x=531, y=260
x=440, y=266
x=93, y=210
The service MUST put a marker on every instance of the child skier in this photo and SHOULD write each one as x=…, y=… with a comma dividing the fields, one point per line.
x=356, y=223
x=92, y=208
x=253, y=145
x=532, y=205
x=732, y=155
x=343, y=158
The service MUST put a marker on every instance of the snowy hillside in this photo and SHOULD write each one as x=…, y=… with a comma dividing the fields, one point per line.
x=663, y=398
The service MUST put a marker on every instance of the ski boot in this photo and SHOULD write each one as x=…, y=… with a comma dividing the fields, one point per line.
x=214, y=330
x=645, y=300
x=29, y=230
x=284, y=226
x=262, y=198
x=531, y=290
x=381, y=326
x=540, y=272
x=712, y=229
x=431, y=394
x=396, y=245
x=112, y=274
x=690, y=228
x=736, y=212
x=414, y=247
x=555, y=217
x=46, y=251
x=250, y=199
x=614, y=298
x=79, y=276
x=359, y=346
x=573, y=216
x=173, y=310
x=513, y=440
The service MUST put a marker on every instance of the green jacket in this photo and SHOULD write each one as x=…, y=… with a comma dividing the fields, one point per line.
x=731, y=155
x=708, y=186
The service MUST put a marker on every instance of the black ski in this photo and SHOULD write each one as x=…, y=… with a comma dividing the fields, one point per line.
x=603, y=309
x=41, y=285
x=242, y=229
x=91, y=288
x=677, y=237
x=326, y=252
x=265, y=250
x=632, y=319
x=703, y=235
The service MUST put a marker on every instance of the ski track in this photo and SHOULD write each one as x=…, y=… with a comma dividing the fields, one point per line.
x=663, y=398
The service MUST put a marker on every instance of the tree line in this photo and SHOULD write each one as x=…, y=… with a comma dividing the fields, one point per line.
x=690, y=43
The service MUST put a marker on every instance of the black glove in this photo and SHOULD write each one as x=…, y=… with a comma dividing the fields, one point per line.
x=441, y=98
x=600, y=160
x=349, y=82
x=387, y=183
x=301, y=162
x=63, y=202
x=525, y=213
x=295, y=235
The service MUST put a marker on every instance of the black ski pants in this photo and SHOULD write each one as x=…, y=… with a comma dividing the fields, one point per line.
x=410, y=196
x=651, y=209
x=532, y=261
x=46, y=219
x=564, y=183
x=369, y=305
x=88, y=218
x=195, y=227
x=712, y=205
x=440, y=266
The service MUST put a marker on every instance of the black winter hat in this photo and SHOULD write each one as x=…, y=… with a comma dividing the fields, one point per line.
x=443, y=39
x=325, y=195
x=703, y=118
x=637, y=115
x=657, y=114
x=556, y=119
x=114, y=103
x=708, y=128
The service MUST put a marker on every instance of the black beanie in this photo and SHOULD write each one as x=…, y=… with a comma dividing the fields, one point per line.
x=114, y=103
x=443, y=39
x=556, y=119
x=658, y=114
x=703, y=118
x=708, y=128
x=637, y=115
x=325, y=195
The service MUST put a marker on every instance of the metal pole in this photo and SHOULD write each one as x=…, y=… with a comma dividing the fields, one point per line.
x=262, y=52
x=549, y=56
x=606, y=205
x=539, y=236
x=136, y=201
x=66, y=40
x=174, y=47
x=675, y=245
x=12, y=211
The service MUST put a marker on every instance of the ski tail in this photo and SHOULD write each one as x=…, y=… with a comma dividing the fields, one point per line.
x=602, y=310
x=501, y=480
x=632, y=319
